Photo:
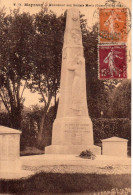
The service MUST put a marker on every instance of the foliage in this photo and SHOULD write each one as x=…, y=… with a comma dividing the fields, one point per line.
x=29, y=130
x=47, y=54
x=87, y=154
x=5, y=119
x=30, y=127
x=97, y=93
x=122, y=100
x=15, y=61
x=105, y=128
x=48, y=43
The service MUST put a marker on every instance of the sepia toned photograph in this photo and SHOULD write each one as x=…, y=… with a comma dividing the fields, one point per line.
x=65, y=97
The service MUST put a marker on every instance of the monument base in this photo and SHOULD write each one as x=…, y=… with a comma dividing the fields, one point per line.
x=71, y=149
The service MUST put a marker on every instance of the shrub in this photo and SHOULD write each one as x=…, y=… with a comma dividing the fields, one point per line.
x=29, y=130
x=87, y=154
x=105, y=128
x=5, y=119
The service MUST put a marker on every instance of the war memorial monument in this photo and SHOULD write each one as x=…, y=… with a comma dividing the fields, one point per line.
x=72, y=129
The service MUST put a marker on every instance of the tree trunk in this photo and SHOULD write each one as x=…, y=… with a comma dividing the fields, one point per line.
x=41, y=129
x=42, y=122
x=15, y=118
x=40, y=133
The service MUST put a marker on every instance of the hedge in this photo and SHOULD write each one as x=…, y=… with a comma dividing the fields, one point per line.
x=4, y=119
x=105, y=128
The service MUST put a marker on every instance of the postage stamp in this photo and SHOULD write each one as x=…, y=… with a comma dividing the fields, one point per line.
x=112, y=61
x=113, y=25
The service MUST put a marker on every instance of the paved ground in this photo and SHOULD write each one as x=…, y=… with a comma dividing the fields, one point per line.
x=70, y=164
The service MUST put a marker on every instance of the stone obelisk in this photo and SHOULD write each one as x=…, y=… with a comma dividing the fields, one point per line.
x=72, y=129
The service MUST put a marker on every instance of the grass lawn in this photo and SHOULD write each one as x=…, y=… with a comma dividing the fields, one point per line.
x=48, y=183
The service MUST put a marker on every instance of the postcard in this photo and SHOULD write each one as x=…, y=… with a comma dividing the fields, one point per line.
x=65, y=97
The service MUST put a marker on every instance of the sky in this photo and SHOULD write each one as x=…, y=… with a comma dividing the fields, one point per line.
x=86, y=7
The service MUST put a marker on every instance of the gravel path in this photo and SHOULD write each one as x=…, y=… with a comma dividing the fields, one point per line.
x=75, y=164
x=81, y=169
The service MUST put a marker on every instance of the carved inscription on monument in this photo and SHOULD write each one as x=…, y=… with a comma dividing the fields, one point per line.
x=76, y=132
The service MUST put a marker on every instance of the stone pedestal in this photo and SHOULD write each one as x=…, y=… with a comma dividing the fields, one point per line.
x=72, y=128
x=114, y=146
x=72, y=136
x=9, y=150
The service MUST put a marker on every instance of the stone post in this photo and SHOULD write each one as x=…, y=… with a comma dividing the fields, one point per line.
x=114, y=146
x=9, y=150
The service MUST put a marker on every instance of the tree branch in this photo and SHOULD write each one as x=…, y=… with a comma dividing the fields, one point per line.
x=4, y=101
x=23, y=90
x=44, y=99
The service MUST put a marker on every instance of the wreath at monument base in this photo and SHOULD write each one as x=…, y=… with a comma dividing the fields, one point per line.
x=87, y=154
